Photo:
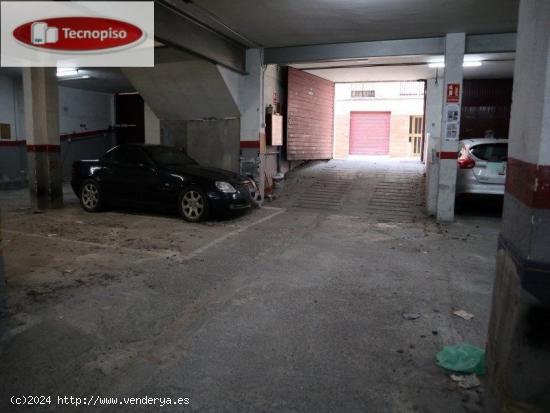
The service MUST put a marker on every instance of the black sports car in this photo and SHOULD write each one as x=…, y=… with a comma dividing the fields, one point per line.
x=160, y=177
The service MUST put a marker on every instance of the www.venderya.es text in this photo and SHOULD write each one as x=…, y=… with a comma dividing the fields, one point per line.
x=95, y=400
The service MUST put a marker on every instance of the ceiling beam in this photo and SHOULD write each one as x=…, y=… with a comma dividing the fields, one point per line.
x=175, y=28
x=491, y=43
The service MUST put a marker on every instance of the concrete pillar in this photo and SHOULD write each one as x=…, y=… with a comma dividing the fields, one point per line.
x=43, y=145
x=434, y=102
x=251, y=97
x=152, y=127
x=432, y=173
x=252, y=118
x=450, y=126
x=518, y=349
x=2, y=279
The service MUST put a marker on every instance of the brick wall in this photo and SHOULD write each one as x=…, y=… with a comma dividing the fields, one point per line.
x=310, y=116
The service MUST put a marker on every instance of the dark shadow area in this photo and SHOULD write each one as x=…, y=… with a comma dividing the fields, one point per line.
x=537, y=324
x=479, y=205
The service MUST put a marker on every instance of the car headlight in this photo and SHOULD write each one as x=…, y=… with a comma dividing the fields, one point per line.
x=225, y=187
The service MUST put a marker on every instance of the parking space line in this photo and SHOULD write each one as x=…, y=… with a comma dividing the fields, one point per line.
x=237, y=231
x=164, y=253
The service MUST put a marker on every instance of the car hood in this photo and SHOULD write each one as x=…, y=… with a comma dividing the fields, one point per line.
x=216, y=174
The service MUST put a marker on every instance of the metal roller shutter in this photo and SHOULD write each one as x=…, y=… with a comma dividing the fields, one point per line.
x=310, y=116
x=369, y=133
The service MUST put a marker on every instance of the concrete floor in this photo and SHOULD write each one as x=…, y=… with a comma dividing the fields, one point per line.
x=295, y=307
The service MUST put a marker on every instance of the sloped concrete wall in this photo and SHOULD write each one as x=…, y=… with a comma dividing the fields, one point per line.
x=197, y=103
x=189, y=88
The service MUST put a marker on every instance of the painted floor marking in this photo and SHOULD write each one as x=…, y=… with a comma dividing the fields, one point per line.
x=163, y=253
x=237, y=231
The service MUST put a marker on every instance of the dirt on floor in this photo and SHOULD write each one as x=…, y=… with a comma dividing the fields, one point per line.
x=303, y=305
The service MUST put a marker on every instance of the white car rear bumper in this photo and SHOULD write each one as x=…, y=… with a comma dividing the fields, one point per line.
x=468, y=184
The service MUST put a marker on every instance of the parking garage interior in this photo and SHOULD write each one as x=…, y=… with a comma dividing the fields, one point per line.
x=354, y=268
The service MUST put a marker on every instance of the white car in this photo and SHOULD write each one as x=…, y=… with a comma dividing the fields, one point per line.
x=482, y=166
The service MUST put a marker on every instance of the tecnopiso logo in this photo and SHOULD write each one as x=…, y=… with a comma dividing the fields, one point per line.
x=77, y=33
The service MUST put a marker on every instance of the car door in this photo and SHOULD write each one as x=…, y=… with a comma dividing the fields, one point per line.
x=162, y=188
x=128, y=169
x=490, y=162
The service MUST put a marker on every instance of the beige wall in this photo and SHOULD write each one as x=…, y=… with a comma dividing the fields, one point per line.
x=341, y=135
x=401, y=109
x=399, y=135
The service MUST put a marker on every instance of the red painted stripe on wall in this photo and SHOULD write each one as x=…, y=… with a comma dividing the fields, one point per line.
x=529, y=183
x=250, y=144
x=63, y=137
x=43, y=148
x=12, y=143
x=66, y=136
x=447, y=155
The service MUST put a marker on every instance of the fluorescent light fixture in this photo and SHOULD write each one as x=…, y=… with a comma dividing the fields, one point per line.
x=70, y=73
x=472, y=64
x=67, y=71
x=465, y=64
x=74, y=78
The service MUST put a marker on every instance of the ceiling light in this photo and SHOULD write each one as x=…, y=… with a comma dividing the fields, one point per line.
x=472, y=64
x=465, y=64
x=67, y=71
x=74, y=77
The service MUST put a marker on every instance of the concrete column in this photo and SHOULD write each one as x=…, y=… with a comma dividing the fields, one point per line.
x=152, y=127
x=518, y=349
x=2, y=279
x=434, y=99
x=432, y=173
x=252, y=118
x=43, y=145
x=450, y=127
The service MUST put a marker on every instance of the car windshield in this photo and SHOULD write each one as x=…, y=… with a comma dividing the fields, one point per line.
x=166, y=156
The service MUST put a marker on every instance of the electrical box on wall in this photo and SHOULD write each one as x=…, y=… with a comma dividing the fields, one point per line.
x=274, y=129
x=5, y=131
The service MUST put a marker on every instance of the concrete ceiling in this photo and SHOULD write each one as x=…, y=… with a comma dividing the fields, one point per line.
x=185, y=89
x=290, y=22
x=103, y=79
x=495, y=66
x=106, y=80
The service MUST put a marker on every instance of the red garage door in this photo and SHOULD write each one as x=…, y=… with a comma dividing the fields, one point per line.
x=369, y=133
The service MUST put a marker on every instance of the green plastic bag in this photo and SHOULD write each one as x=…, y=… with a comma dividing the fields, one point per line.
x=462, y=358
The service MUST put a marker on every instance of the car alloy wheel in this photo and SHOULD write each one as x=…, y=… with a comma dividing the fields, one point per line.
x=192, y=205
x=90, y=196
